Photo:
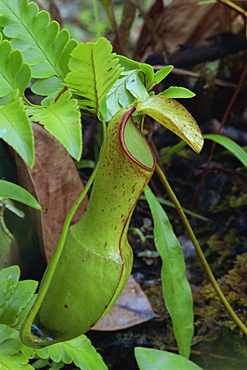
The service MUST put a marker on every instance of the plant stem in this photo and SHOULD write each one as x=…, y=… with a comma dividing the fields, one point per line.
x=234, y=6
x=96, y=18
x=91, y=179
x=192, y=236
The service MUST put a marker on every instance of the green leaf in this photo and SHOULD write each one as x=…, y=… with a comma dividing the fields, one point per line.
x=22, y=316
x=146, y=69
x=18, y=300
x=230, y=145
x=177, y=92
x=162, y=73
x=175, y=117
x=227, y=143
x=44, y=47
x=176, y=289
x=9, y=340
x=149, y=358
x=136, y=87
x=173, y=150
x=14, y=74
x=8, y=281
x=78, y=350
x=15, y=128
x=62, y=120
x=170, y=204
x=117, y=98
x=16, y=192
x=9, y=251
x=123, y=93
x=15, y=295
x=40, y=364
x=7, y=243
x=47, y=86
x=94, y=70
x=10, y=345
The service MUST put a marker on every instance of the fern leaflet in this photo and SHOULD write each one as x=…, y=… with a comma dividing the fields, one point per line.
x=94, y=70
x=15, y=128
x=44, y=47
x=78, y=350
x=14, y=74
x=62, y=120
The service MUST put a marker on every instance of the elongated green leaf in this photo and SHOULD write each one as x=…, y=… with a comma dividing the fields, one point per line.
x=16, y=192
x=173, y=150
x=176, y=289
x=170, y=204
x=230, y=145
x=44, y=47
x=14, y=74
x=94, y=70
x=227, y=143
x=162, y=73
x=15, y=128
x=78, y=350
x=149, y=358
x=62, y=120
x=177, y=92
x=175, y=117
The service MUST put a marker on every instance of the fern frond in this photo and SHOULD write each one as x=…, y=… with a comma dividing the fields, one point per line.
x=44, y=47
x=15, y=128
x=14, y=74
x=10, y=356
x=94, y=70
x=79, y=351
x=62, y=120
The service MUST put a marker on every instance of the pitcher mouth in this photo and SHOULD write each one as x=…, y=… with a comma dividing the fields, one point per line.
x=125, y=119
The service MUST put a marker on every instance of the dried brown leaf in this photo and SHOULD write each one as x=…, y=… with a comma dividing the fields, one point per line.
x=131, y=308
x=55, y=182
x=181, y=22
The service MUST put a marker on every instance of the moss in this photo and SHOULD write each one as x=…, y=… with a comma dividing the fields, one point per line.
x=212, y=320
